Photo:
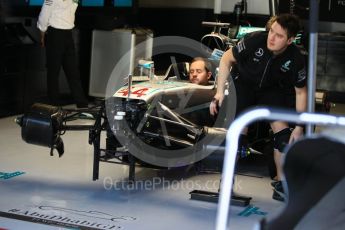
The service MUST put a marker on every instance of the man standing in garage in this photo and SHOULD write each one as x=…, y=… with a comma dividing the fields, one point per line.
x=266, y=68
x=56, y=21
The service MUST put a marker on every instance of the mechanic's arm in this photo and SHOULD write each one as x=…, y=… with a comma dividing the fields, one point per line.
x=224, y=70
x=301, y=106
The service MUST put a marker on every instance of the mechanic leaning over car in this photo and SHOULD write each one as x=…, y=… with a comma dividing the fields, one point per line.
x=266, y=66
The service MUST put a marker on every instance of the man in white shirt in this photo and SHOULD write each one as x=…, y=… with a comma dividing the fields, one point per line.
x=56, y=21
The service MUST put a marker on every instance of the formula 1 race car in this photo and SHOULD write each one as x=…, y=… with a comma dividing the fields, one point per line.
x=162, y=123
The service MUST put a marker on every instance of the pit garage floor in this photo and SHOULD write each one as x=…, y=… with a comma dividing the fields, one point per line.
x=38, y=191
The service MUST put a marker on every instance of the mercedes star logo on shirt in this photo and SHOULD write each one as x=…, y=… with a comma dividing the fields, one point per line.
x=259, y=52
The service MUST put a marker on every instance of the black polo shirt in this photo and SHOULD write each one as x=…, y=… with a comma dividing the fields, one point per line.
x=257, y=66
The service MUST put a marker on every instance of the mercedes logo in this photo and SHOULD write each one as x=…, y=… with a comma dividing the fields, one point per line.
x=259, y=52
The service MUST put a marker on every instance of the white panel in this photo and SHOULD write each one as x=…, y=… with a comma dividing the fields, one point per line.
x=108, y=47
x=254, y=6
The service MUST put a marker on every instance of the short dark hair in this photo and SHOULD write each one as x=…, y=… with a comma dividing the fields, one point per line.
x=290, y=23
x=207, y=63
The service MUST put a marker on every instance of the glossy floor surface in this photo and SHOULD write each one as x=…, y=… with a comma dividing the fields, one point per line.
x=39, y=191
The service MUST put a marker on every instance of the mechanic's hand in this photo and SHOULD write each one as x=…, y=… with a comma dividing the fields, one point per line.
x=296, y=134
x=216, y=103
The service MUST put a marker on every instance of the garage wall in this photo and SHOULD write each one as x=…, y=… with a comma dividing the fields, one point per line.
x=227, y=6
x=201, y=4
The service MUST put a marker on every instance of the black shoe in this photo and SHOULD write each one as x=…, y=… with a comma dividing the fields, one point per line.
x=277, y=196
x=278, y=191
x=279, y=186
x=273, y=183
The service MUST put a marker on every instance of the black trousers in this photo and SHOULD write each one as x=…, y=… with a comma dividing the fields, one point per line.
x=60, y=52
x=250, y=96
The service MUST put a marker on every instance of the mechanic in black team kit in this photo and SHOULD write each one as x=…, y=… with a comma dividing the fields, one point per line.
x=266, y=68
